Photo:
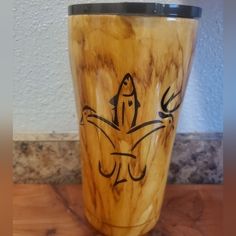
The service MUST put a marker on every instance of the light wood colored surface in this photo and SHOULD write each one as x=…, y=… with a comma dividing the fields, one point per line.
x=130, y=75
x=44, y=210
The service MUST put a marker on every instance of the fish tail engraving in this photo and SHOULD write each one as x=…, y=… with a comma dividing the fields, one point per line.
x=106, y=175
x=139, y=177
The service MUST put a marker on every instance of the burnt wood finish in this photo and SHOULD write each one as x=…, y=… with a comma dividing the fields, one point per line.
x=130, y=75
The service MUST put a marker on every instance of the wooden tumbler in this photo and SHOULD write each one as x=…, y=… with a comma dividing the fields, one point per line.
x=130, y=64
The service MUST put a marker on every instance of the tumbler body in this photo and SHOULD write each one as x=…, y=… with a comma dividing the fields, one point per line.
x=130, y=74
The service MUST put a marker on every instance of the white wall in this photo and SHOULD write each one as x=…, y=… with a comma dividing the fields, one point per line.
x=43, y=95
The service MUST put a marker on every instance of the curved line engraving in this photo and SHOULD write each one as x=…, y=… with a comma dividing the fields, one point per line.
x=135, y=145
x=143, y=125
x=109, y=175
x=104, y=120
x=139, y=177
x=128, y=95
x=103, y=133
x=165, y=104
x=123, y=154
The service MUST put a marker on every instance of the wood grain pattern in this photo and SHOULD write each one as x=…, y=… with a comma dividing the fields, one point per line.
x=130, y=75
x=44, y=210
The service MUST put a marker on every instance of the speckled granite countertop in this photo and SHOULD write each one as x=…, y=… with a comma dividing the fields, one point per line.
x=196, y=158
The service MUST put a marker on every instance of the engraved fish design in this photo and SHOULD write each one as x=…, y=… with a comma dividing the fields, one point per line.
x=125, y=109
x=125, y=104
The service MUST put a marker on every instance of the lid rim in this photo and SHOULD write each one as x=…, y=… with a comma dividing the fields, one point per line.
x=136, y=9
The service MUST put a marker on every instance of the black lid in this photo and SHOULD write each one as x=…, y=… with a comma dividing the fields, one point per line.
x=134, y=8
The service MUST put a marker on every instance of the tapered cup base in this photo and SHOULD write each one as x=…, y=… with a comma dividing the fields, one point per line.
x=112, y=230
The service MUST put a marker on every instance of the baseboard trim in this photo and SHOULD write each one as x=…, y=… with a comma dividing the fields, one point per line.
x=75, y=137
x=45, y=137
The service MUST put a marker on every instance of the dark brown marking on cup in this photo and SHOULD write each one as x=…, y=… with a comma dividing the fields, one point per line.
x=106, y=175
x=135, y=178
x=123, y=154
x=119, y=181
x=127, y=91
